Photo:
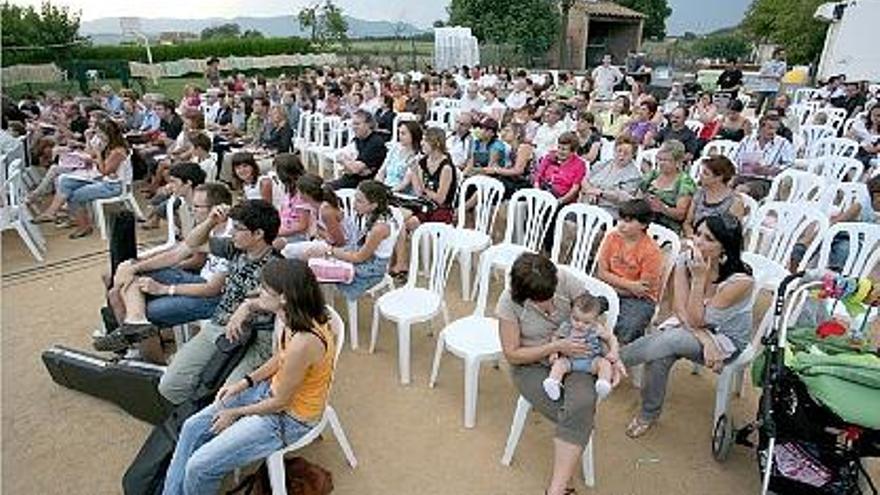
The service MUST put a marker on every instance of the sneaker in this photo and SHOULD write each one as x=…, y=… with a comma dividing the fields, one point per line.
x=553, y=388
x=603, y=388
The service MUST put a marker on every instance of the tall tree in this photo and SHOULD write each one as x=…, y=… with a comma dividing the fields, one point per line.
x=657, y=11
x=788, y=23
x=228, y=30
x=326, y=22
x=530, y=24
x=52, y=25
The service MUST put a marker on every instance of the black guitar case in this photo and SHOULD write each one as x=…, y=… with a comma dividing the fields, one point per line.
x=146, y=474
x=129, y=384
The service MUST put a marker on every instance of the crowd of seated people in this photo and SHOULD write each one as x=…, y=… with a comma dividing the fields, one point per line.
x=578, y=140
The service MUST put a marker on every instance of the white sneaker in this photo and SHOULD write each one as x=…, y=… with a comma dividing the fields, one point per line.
x=603, y=388
x=553, y=388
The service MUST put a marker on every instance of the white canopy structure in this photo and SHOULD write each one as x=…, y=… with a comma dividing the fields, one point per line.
x=454, y=47
x=848, y=49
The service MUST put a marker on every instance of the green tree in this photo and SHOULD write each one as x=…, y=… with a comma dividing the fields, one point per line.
x=657, y=11
x=530, y=24
x=788, y=23
x=228, y=30
x=724, y=46
x=51, y=25
x=251, y=34
x=326, y=22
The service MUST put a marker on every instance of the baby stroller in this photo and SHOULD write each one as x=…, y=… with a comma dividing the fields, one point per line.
x=819, y=412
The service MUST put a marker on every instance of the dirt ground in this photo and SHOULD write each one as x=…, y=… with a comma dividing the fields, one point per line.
x=408, y=439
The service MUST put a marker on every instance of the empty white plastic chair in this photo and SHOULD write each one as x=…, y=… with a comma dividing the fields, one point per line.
x=14, y=215
x=647, y=160
x=778, y=226
x=802, y=95
x=795, y=186
x=721, y=147
x=864, y=242
x=411, y=304
x=835, y=168
x=275, y=462
x=590, y=224
x=809, y=135
x=474, y=339
x=597, y=288
x=836, y=117
x=488, y=193
x=126, y=197
x=834, y=146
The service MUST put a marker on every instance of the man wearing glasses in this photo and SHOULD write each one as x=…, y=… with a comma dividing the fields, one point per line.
x=172, y=287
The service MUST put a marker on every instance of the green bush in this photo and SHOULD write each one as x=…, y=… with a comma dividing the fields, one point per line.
x=253, y=47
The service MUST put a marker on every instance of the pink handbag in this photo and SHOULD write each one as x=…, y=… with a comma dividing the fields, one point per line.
x=332, y=270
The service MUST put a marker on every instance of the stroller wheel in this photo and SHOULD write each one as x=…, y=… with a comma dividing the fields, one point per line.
x=722, y=438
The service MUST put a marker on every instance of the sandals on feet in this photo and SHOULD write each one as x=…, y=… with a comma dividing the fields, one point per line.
x=638, y=427
x=79, y=234
x=400, y=278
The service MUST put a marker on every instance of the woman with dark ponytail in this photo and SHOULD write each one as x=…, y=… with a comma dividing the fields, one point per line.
x=712, y=321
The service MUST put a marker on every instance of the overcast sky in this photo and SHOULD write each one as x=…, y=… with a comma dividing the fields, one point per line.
x=688, y=15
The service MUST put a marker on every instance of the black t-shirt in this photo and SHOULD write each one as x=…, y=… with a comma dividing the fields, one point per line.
x=685, y=135
x=595, y=137
x=371, y=151
x=385, y=123
x=432, y=181
x=79, y=124
x=172, y=127
x=730, y=78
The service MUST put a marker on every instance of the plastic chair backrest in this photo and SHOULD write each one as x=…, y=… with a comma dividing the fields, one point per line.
x=435, y=237
x=13, y=189
x=302, y=125
x=804, y=94
x=836, y=117
x=722, y=147
x=670, y=244
x=315, y=130
x=803, y=186
x=864, y=242
x=841, y=196
x=836, y=169
x=809, y=135
x=647, y=160
x=834, y=146
x=339, y=330
x=591, y=224
x=597, y=287
x=778, y=226
x=751, y=207
x=695, y=125
x=538, y=205
x=346, y=202
x=488, y=194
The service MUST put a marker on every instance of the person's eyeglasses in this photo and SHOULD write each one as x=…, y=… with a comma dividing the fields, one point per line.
x=240, y=228
x=201, y=206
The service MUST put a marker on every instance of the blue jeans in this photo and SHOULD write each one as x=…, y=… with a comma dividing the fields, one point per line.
x=168, y=311
x=80, y=192
x=201, y=459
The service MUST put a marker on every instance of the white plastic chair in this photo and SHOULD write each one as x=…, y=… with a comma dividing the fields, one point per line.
x=802, y=187
x=802, y=95
x=597, y=288
x=836, y=117
x=327, y=129
x=210, y=168
x=126, y=197
x=694, y=125
x=15, y=216
x=340, y=136
x=488, y=193
x=839, y=197
x=835, y=168
x=591, y=223
x=722, y=147
x=528, y=215
x=647, y=160
x=751, y=206
x=303, y=131
x=171, y=235
x=809, y=135
x=864, y=242
x=411, y=304
x=834, y=146
x=778, y=226
x=275, y=462
x=474, y=339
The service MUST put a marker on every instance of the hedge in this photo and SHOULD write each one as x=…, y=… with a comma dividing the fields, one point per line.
x=253, y=47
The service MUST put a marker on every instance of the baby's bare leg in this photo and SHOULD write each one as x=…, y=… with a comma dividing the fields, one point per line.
x=602, y=369
x=561, y=366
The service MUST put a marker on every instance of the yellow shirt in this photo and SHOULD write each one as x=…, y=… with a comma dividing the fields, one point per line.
x=310, y=397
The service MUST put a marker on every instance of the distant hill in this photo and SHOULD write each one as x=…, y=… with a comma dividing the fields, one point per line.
x=106, y=30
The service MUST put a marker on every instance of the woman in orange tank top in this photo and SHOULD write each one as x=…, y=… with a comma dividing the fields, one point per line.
x=276, y=404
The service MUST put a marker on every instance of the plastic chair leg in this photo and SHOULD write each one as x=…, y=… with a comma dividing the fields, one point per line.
x=516, y=428
x=99, y=219
x=277, y=473
x=374, y=330
x=352, y=322
x=339, y=433
x=135, y=207
x=587, y=462
x=29, y=241
x=438, y=353
x=464, y=264
x=403, y=350
x=739, y=382
x=471, y=391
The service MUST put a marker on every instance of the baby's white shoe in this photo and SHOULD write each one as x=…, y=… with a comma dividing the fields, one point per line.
x=603, y=388
x=553, y=388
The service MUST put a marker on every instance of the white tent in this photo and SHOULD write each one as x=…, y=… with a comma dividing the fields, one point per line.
x=848, y=49
x=454, y=47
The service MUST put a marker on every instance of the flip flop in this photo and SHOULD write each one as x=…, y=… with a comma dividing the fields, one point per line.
x=638, y=427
